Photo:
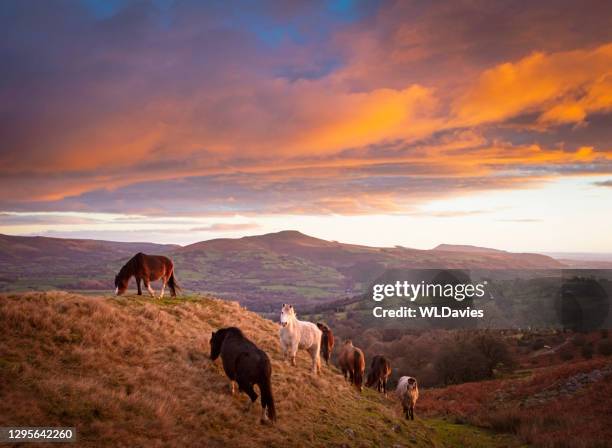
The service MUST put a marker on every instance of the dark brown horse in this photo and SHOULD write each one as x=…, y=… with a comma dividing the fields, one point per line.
x=380, y=371
x=245, y=364
x=147, y=268
x=327, y=341
x=352, y=363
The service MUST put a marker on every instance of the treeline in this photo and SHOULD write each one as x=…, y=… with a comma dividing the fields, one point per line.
x=435, y=357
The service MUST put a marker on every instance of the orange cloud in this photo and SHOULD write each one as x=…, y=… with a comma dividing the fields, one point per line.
x=359, y=119
x=562, y=87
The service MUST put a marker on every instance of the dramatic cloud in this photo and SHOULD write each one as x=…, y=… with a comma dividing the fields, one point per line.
x=194, y=109
x=561, y=87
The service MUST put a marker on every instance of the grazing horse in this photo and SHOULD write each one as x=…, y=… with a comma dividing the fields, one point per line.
x=297, y=334
x=147, y=268
x=408, y=393
x=352, y=363
x=327, y=341
x=245, y=364
x=380, y=371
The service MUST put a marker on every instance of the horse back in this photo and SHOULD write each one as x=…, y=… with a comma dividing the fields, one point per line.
x=310, y=334
x=345, y=359
x=152, y=266
x=240, y=354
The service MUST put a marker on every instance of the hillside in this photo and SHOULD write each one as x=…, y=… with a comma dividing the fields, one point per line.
x=547, y=407
x=128, y=372
x=259, y=271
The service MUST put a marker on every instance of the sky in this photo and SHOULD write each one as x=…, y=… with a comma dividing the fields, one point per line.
x=385, y=123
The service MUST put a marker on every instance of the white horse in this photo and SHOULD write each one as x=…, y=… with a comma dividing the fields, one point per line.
x=408, y=393
x=297, y=334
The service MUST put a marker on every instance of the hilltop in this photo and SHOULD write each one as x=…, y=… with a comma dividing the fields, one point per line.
x=132, y=372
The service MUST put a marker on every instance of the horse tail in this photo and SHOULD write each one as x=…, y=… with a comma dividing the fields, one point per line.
x=357, y=362
x=173, y=284
x=265, y=387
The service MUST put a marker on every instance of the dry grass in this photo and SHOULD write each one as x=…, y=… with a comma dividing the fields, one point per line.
x=128, y=372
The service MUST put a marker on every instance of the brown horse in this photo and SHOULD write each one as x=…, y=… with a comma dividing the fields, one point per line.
x=352, y=363
x=327, y=341
x=147, y=268
x=245, y=364
x=380, y=371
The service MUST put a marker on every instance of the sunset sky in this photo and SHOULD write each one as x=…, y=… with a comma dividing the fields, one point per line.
x=381, y=123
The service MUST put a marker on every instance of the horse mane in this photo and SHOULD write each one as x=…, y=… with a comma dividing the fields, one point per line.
x=129, y=268
x=234, y=331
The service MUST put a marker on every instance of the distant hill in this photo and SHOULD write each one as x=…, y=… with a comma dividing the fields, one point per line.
x=39, y=248
x=30, y=262
x=147, y=380
x=467, y=248
x=260, y=271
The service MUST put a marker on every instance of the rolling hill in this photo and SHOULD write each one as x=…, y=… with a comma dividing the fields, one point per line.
x=265, y=270
x=132, y=372
x=259, y=271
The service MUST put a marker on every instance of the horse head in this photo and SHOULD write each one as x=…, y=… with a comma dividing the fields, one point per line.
x=216, y=339
x=121, y=284
x=371, y=379
x=412, y=383
x=287, y=314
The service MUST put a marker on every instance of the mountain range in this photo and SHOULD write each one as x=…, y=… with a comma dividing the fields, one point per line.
x=259, y=271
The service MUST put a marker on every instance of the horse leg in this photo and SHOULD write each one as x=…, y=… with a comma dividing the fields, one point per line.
x=283, y=349
x=148, y=286
x=314, y=357
x=138, y=279
x=247, y=388
x=294, y=350
x=161, y=294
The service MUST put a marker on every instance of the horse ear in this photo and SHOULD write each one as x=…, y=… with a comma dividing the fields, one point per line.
x=291, y=306
x=213, y=333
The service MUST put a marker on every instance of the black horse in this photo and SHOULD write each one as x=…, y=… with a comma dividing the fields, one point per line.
x=245, y=364
x=380, y=371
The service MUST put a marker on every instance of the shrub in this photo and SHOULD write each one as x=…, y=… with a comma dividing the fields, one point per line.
x=472, y=359
x=460, y=362
x=537, y=344
x=587, y=351
x=566, y=353
x=605, y=347
x=578, y=340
